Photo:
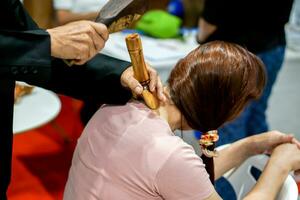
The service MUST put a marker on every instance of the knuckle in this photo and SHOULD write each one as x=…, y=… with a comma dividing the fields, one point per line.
x=100, y=46
x=90, y=30
x=85, y=48
x=89, y=41
x=132, y=83
x=85, y=37
x=154, y=72
x=77, y=53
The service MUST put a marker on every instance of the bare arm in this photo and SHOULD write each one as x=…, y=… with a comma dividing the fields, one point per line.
x=284, y=159
x=214, y=196
x=239, y=151
x=205, y=29
x=66, y=16
x=232, y=156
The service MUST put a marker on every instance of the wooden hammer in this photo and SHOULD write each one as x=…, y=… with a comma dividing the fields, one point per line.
x=135, y=49
x=118, y=15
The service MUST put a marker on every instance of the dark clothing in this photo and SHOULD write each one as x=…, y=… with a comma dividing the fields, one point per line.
x=257, y=25
x=25, y=56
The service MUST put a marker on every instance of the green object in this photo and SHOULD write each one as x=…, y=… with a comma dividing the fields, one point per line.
x=160, y=24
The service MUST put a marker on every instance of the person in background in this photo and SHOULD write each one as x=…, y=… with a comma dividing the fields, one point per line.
x=74, y=10
x=259, y=27
x=35, y=56
x=293, y=28
x=130, y=151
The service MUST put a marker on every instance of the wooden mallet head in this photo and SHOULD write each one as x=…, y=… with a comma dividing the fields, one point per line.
x=121, y=14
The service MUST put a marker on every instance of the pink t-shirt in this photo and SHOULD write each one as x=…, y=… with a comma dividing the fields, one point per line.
x=128, y=152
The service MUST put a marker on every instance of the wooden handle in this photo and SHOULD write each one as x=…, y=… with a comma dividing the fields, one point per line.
x=134, y=46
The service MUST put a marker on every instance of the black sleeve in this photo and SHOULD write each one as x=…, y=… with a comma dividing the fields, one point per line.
x=211, y=11
x=25, y=55
x=97, y=80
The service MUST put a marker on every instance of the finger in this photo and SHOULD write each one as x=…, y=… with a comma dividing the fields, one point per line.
x=79, y=62
x=91, y=48
x=93, y=42
x=134, y=85
x=153, y=78
x=295, y=141
x=159, y=89
x=101, y=29
x=289, y=137
x=99, y=43
x=284, y=138
x=84, y=55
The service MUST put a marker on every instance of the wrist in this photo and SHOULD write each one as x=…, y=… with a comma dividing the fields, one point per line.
x=249, y=146
x=277, y=162
x=254, y=145
x=52, y=42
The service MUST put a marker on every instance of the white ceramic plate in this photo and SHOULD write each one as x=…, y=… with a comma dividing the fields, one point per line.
x=35, y=110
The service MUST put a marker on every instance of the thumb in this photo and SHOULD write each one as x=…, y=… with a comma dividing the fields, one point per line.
x=134, y=85
x=101, y=29
x=295, y=141
x=286, y=138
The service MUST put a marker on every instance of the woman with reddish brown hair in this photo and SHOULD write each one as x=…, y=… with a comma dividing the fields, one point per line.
x=130, y=151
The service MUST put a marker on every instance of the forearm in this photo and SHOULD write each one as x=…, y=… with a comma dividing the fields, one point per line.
x=205, y=30
x=270, y=181
x=232, y=156
x=65, y=16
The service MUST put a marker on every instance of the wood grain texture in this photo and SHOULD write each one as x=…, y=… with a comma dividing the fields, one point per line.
x=134, y=46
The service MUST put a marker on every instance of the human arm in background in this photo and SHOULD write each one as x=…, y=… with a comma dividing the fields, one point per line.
x=183, y=175
x=285, y=158
x=239, y=151
x=207, y=23
x=66, y=16
x=205, y=29
x=84, y=10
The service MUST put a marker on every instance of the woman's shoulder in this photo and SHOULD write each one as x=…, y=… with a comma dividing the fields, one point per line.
x=122, y=117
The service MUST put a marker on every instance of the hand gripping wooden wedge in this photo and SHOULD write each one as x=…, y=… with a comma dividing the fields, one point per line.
x=134, y=46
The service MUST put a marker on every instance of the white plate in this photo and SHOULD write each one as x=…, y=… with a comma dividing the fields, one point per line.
x=35, y=110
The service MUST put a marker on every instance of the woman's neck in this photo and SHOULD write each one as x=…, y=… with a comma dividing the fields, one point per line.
x=171, y=114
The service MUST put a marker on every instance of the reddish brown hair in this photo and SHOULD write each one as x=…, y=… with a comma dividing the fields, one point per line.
x=213, y=83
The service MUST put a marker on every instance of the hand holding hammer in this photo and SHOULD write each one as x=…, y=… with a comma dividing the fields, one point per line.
x=79, y=41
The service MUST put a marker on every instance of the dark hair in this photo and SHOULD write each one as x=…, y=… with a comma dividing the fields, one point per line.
x=213, y=83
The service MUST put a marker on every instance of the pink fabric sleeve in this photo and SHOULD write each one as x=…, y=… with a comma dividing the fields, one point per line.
x=183, y=176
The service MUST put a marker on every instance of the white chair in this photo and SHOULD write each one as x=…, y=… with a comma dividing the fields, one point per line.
x=242, y=179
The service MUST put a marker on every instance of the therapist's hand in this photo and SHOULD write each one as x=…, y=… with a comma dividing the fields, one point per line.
x=78, y=41
x=128, y=80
